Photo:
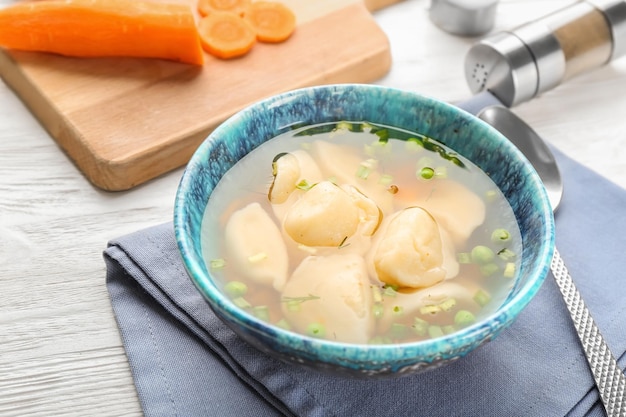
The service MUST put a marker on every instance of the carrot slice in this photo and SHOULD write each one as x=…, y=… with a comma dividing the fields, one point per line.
x=206, y=7
x=226, y=35
x=273, y=21
x=103, y=28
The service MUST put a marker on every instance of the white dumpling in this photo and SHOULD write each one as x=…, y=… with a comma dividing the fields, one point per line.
x=255, y=247
x=340, y=162
x=369, y=219
x=408, y=252
x=286, y=171
x=286, y=183
x=338, y=297
x=309, y=170
x=370, y=216
x=457, y=209
x=325, y=215
x=336, y=161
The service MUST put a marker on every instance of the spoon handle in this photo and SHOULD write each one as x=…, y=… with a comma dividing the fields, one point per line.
x=609, y=377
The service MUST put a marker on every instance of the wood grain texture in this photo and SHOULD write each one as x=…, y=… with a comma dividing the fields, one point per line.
x=126, y=121
x=60, y=350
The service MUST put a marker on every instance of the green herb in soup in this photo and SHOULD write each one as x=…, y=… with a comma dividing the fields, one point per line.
x=361, y=233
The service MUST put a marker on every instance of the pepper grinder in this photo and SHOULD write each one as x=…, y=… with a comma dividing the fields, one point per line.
x=464, y=17
x=520, y=64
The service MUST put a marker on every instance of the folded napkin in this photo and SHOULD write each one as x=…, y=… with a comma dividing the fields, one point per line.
x=186, y=362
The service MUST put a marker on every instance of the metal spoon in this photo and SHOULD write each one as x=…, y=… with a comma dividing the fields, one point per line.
x=608, y=376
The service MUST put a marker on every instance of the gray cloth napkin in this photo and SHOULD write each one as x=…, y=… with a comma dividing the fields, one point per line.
x=186, y=362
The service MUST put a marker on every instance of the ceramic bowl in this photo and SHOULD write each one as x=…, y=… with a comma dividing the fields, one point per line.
x=459, y=130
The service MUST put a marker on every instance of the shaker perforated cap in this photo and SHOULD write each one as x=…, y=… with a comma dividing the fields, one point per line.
x=464, y=17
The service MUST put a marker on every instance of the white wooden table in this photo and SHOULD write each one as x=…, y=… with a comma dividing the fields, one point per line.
x=60, y=351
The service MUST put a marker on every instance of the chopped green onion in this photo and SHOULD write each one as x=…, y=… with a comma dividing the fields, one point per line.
x=380, y=340
x=376, y=294
x=482, y=298
x=366, y=168
x=420, y=326
x=441, y=172
x=427, y=173
x=482, y=254
x=448, y=304
x=344, y=126
x=390, y=291
x=283, y=324
x=383, y=135
x=507, y=255
x=414, y=144
x=300, y=300
x=241, y=302
x=293, y=306
x=464, y=318
x=257, y=257
x=316, y=330
x=217, y=263
x=398, y=331
x=397, y=310
x=304, y=185
x=464, y=258
x=489, y=269
x=343, y=243
x=385, y=179
x=430, y=309
x=491, y=196
x=447, y=329
x=366, y=126
x=261, y=312
x=363, y=172
x=509, y=270
x=500, y=236
x=236, y=288
x=425, y=161
x=378, y=310
x=435, y=331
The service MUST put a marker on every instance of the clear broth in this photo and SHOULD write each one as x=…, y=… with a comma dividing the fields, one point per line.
x=399, y=160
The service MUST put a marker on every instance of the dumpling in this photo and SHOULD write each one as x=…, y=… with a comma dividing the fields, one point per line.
x=324, y=216
x=409, y=251
x=286, y=171
x=370, y=215
x=289, y=170
x=255, y=246
x=341, y=163
x=336, y=295
x=456, y=208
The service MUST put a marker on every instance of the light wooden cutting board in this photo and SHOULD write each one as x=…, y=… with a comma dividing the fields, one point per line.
x=124, y=121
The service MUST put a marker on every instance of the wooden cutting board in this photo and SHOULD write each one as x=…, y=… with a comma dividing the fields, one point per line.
x=124, y=121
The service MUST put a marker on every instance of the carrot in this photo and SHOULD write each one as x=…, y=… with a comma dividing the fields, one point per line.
x=272, y=21
x=206, y=7
x=226, y=35
x=103, y=28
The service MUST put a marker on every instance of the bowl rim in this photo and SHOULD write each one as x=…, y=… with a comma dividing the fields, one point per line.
x=430, y=348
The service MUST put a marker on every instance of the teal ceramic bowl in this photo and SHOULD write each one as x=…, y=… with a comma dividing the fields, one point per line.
x=457, y=129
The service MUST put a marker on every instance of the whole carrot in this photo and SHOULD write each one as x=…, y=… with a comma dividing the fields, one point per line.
x=103, y=28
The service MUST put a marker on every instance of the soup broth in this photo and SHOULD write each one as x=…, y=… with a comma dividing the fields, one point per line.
x=361, y=233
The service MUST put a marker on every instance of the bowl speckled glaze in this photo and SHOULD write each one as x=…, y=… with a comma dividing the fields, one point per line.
x=459, y=130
